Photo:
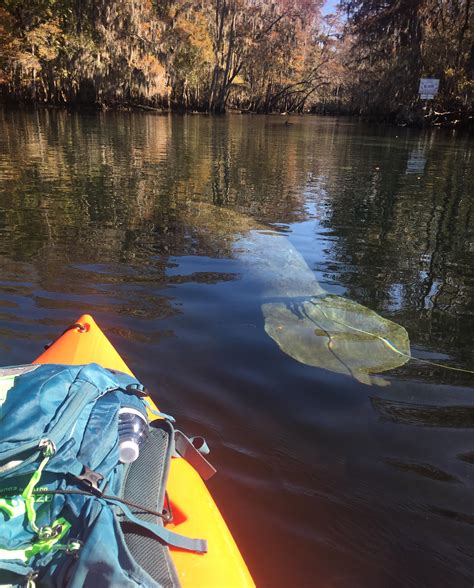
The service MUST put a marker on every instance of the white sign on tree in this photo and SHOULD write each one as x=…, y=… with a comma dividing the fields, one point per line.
x=428, y=88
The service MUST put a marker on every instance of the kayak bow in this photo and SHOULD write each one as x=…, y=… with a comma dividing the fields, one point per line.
x=195, y=512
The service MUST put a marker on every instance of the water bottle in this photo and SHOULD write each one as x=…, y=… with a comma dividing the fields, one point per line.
x=132, y=430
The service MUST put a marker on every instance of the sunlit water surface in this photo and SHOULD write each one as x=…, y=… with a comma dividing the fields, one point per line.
x=324, y=481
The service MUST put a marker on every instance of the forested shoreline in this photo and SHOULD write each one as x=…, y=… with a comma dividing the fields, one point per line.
x=246, y=55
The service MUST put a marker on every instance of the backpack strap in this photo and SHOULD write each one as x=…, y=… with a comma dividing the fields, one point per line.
x=169, y=537
x=158, y=413
x=185, y=448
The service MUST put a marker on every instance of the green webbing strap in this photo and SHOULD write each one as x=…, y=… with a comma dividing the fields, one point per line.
x=48, y=536
x=28, y=497
x=170, y=538
x=59, y=529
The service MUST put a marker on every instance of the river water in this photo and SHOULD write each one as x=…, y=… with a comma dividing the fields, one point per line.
x=323, y=480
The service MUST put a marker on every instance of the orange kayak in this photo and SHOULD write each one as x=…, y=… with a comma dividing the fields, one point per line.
x=195, y=512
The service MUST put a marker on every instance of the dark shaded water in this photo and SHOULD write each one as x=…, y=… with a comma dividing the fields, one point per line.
x=323, y=480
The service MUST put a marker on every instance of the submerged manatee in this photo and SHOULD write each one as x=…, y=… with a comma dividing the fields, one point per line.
x=308, y=324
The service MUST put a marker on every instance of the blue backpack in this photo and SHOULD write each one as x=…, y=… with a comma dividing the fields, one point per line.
x=66, y=517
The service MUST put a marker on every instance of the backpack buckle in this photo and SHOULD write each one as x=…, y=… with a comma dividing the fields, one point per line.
x=136, y=389
x=46, y=533
x=90, y=480
x=48, y=448
x=73, y=546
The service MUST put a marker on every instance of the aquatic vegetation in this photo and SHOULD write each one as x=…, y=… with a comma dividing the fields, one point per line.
x=337, y=334
x=307, y=323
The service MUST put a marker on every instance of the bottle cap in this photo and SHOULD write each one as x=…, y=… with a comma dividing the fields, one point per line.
x=130, y=410
x=129, y=451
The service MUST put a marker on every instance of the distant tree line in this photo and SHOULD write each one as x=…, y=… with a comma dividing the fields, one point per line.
x=391, y=44
x=252, y=55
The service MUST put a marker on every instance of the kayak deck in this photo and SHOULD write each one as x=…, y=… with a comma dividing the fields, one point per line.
x=195, y=512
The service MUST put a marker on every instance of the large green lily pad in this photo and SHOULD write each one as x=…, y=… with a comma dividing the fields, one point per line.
x=337, y=334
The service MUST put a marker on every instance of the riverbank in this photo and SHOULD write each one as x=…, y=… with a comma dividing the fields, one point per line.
x=406, y=117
